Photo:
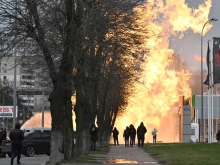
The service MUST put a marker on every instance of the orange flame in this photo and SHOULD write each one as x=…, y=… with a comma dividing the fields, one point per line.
x=198, y=58
x=154, y=101
x=36, y=120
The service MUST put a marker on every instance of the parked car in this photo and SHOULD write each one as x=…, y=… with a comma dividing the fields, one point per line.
x=6, y=147
x=29, y=130
x=34, y=143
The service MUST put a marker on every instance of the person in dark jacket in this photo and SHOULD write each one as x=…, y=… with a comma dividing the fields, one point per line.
x=16, y=136
x=218, y=136
x=132, y=135
x=126, y=136
x=3, y=135
x=115, y=135
x=141, y=134
x=93, y=131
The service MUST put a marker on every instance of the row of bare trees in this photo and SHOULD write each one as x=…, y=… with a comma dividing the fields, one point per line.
x=89, y=48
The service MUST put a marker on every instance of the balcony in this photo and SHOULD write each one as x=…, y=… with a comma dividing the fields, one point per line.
x=26, y=98
x=27, y=86
x=27, y=104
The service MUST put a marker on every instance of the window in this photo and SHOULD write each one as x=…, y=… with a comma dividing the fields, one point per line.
x=34, y=136
x=5, y=65
x=37, y=130
x=4, y=71
x=46, y=135
x=4, y=78
x=47, y=131
x=192, y=131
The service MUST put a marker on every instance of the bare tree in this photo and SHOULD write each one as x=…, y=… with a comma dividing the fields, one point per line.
x=31, y=19
x=89, y=43
x=107, y=34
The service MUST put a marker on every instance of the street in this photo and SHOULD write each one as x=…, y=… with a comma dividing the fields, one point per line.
x=35, y=160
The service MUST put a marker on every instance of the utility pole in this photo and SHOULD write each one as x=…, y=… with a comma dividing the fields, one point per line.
x=28, y=109
x=3, y=102
x=14, y=93
x=43, y=107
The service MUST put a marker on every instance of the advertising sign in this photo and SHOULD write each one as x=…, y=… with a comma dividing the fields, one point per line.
x=8, y=111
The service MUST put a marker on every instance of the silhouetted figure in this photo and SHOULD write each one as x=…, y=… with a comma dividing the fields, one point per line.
x=126, y=136
x=16, y=136
x=218, y=136
x=154, y=134
x=141, y=134
x=3, y=135
x=93, y=137
x=115, y=135
x=132, y=135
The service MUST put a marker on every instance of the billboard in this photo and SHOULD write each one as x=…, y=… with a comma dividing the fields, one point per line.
x=8, y=111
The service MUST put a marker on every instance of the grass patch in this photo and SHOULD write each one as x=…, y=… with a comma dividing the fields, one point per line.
x=103, y=150
x=185, y=153
x=94, y=157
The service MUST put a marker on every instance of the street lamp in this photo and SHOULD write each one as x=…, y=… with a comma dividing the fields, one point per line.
x=202, y=116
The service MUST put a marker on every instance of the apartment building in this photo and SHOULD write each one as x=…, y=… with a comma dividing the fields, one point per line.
x=28, y=90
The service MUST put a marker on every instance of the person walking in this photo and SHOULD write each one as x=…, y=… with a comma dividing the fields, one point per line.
x=132, y=135
x=126, y=136
x=16, y=136
x=3, y=135
x=141, y=134
x=115, y=135
x=93, y=131
x=218, y=136
x=154, y=134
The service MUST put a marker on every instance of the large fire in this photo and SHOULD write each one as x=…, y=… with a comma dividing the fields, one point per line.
x=154, y=101
x=163, y=79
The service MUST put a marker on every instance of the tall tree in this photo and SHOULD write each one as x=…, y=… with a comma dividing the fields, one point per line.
x=28, y=20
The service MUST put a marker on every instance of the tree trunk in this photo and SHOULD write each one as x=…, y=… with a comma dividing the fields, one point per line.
x=80, y=111
x=57, y=127
x=101, y=132
x=68, y=131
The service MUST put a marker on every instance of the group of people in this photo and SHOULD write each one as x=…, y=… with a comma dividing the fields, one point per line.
x=130, y=133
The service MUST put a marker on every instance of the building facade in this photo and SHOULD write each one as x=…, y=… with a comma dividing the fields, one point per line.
x=29, y=92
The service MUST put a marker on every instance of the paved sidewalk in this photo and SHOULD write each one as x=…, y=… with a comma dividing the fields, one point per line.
x=36, y=160
x=123, y=155
x=129, y=155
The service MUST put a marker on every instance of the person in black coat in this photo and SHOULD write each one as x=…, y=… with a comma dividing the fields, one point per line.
x=16, y=136
x=218, y=136
x=3, y=135
x=132, y=135
x=141, y=134
x=115, y=135
x=93, y=131
x=126, y=136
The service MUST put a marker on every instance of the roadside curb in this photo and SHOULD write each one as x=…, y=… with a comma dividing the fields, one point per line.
x=43, y=163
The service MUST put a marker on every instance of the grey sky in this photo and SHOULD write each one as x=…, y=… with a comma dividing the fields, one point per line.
x=190, y=44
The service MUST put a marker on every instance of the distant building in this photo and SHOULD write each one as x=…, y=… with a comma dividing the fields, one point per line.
x=27, y=79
